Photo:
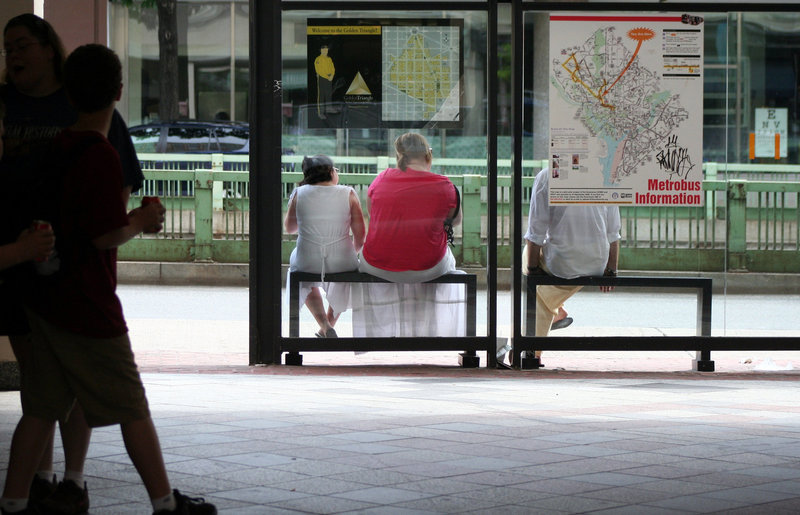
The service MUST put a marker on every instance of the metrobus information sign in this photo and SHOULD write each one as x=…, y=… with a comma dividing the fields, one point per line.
x=626, y=109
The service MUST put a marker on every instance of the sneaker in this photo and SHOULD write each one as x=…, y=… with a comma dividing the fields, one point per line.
x=68, y=499
x=190, y=506
x=41, y=489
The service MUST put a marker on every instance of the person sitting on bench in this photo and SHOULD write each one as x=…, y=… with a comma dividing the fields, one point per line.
x=323, y=214
x=412, y=211
x=567, y=242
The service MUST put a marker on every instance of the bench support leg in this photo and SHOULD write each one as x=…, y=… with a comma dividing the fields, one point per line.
x=469, y=359
x=528, y=361
x=294, y=359
x=703, y=361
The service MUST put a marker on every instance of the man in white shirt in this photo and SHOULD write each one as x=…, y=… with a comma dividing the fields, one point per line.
x=567, y=242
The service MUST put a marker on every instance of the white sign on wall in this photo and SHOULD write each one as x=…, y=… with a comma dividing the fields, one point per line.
x=769, y=122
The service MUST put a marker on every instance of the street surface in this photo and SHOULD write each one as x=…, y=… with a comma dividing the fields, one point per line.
x=183, y=325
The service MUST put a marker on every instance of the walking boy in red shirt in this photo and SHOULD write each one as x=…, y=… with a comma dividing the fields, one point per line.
x=79, y=337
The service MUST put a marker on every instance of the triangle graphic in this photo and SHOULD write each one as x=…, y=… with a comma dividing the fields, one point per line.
x=358, y=86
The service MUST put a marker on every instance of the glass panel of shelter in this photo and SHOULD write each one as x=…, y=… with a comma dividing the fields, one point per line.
x=393, y=105
x=658, y=240
x=585, y=81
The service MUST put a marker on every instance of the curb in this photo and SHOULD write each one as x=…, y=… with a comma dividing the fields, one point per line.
x=183, y=274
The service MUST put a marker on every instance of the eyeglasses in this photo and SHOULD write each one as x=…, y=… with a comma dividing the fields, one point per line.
x=335, y=169
x=20, y=47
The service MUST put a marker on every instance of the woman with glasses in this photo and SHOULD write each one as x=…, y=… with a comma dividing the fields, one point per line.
x=37, y=107
x=323, y=214
x=411, y=214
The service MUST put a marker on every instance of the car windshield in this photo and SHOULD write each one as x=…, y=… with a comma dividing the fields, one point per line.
x=190, y=139
x=145, y=139
x=232, y=139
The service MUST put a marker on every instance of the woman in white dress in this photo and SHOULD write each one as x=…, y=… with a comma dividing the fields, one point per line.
x=323, y=214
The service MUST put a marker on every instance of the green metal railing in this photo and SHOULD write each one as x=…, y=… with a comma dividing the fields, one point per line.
x=744, y=225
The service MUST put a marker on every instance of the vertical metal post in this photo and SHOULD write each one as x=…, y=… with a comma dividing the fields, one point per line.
x=471, y=225
x=703, y=361
x=739, y=99
x=491, y=262
x=711, y=170
x=737, y=225
x=516, y=169
x=232, y=95
x=265, y=181
x=203, y=214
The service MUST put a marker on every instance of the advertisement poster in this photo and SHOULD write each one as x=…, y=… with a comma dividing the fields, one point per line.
x=626, y=109
x=384, y=73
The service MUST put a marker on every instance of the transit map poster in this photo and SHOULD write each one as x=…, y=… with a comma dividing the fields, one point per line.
x=385, y=73
x=626, y=109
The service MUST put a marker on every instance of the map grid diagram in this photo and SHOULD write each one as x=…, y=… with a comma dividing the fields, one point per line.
x=420, y=74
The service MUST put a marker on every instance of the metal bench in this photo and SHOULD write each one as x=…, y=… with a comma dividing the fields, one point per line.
x=468, y=359
x=702, y=285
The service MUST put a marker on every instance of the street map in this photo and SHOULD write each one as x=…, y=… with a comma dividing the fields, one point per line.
x=626, y=109
x=421, y=73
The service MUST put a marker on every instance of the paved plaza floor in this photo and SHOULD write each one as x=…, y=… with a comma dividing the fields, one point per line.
x=412, y=433
x=426, y=439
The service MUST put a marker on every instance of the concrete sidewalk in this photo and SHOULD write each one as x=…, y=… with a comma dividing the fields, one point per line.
x=424, y=440
x=412, y=433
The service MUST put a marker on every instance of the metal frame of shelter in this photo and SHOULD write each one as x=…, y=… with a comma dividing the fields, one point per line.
x=266, y=341
x=703, y=345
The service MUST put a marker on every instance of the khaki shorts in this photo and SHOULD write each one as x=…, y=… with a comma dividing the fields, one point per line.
x=99, y=373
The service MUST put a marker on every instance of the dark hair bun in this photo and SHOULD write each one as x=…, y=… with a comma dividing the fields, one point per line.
x=316, y=161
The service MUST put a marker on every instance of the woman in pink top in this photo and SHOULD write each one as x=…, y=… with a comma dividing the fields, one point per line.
x=411, y=211
x=408, y=207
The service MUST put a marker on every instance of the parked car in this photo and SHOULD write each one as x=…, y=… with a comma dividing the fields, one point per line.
x=192, y=137
x=189, y=137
